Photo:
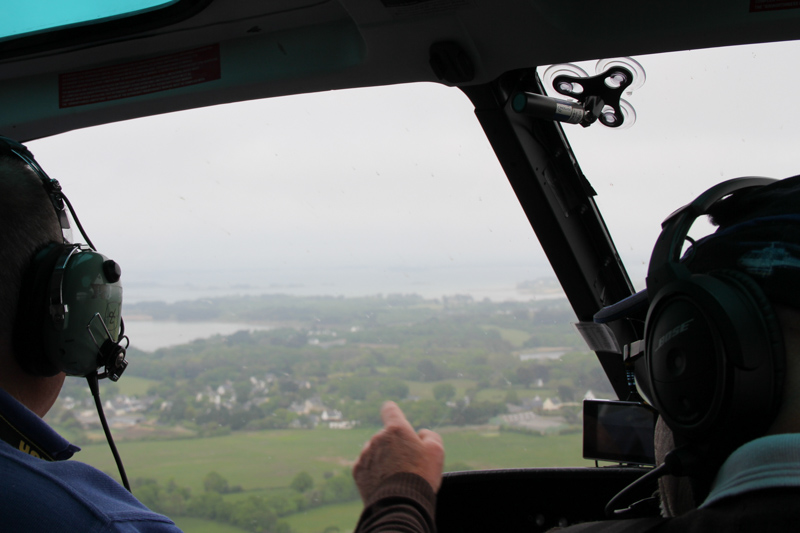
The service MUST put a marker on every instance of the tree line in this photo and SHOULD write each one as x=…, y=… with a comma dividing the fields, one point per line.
x=256, y=513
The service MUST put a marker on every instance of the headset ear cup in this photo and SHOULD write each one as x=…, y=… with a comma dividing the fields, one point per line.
x=33, y=313
x=685, y=375
x=715, y=358
x=776, y=351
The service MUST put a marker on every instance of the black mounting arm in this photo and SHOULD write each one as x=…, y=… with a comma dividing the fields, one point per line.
x=559, y=203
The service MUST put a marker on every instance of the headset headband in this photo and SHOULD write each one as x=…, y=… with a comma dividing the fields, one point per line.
x=51, y=186
x=665, y=265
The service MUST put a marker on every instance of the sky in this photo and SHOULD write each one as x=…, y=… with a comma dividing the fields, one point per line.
x=395, y=189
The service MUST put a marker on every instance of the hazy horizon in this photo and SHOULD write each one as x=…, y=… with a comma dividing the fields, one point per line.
x=496, y=282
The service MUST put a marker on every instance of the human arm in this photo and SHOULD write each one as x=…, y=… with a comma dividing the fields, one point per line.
x=398, y=474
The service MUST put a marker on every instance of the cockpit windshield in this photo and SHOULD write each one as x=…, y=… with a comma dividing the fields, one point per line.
x=291, y=263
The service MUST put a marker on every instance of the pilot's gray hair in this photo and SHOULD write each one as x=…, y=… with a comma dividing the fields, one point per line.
x=28, y=222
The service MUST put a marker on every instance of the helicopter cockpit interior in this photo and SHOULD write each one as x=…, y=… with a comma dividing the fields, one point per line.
x=546, y=79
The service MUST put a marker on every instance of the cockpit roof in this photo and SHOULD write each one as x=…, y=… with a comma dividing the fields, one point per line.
x=219, y=51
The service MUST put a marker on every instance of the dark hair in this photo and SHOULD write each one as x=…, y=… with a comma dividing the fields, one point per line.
x=28, y=222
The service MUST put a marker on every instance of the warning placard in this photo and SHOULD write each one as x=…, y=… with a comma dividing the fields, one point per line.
x=773, y=5
x=136, y=78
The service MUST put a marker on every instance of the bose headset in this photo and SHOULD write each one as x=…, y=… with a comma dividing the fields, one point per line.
x=68, y=315
x=714, y=359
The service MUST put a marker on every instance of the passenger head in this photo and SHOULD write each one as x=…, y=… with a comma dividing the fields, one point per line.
x=28, y=222
x=759, y=235
x=757, y=245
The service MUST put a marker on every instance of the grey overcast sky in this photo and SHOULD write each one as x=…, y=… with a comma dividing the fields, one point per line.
x=398, y=184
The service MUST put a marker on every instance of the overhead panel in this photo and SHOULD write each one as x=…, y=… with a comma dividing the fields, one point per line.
x=218, y=72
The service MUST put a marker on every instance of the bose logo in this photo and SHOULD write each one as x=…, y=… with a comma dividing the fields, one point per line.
x=677, y=330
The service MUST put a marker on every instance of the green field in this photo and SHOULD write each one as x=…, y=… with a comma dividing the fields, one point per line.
x=344, y=516
x=515, y=337
x=258, y=460
x=270, y=459
x=490, y=449
x=424, y=390
x=499, y=395
x=265, y=462
x=135, y=386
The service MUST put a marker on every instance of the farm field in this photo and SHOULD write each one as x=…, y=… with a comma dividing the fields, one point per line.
x=514, y=336
x=344, y=516
x=270, y=459
x=134, y=386
x=254, y=460
x=264, y=463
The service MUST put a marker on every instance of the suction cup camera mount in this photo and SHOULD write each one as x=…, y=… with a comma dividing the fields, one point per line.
x=601, y=95
x=598, y=98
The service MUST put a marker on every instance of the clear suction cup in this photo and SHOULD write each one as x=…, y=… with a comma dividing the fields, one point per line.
x=564, y=87
x=629, y=113
x=610, y=118
x=639, y=76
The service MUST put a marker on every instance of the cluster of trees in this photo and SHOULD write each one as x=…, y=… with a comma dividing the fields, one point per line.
x=259, y=514
x=429, y=413
x=281, y=308
x=385, y=344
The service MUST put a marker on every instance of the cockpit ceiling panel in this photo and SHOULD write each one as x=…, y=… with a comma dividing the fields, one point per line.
x=279, y=47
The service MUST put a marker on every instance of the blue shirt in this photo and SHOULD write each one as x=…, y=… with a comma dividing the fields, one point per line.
x=765, y=463
x=60, y=495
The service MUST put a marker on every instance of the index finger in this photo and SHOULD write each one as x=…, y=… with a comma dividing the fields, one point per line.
x=393, y=416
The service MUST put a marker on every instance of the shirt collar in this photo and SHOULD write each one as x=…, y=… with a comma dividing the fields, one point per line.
x=764, y=463
x=24, y=430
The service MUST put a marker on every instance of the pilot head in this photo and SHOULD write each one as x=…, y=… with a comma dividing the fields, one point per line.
x=28, y=223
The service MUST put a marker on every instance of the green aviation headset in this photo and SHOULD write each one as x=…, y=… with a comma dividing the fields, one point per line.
x=68, y=317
